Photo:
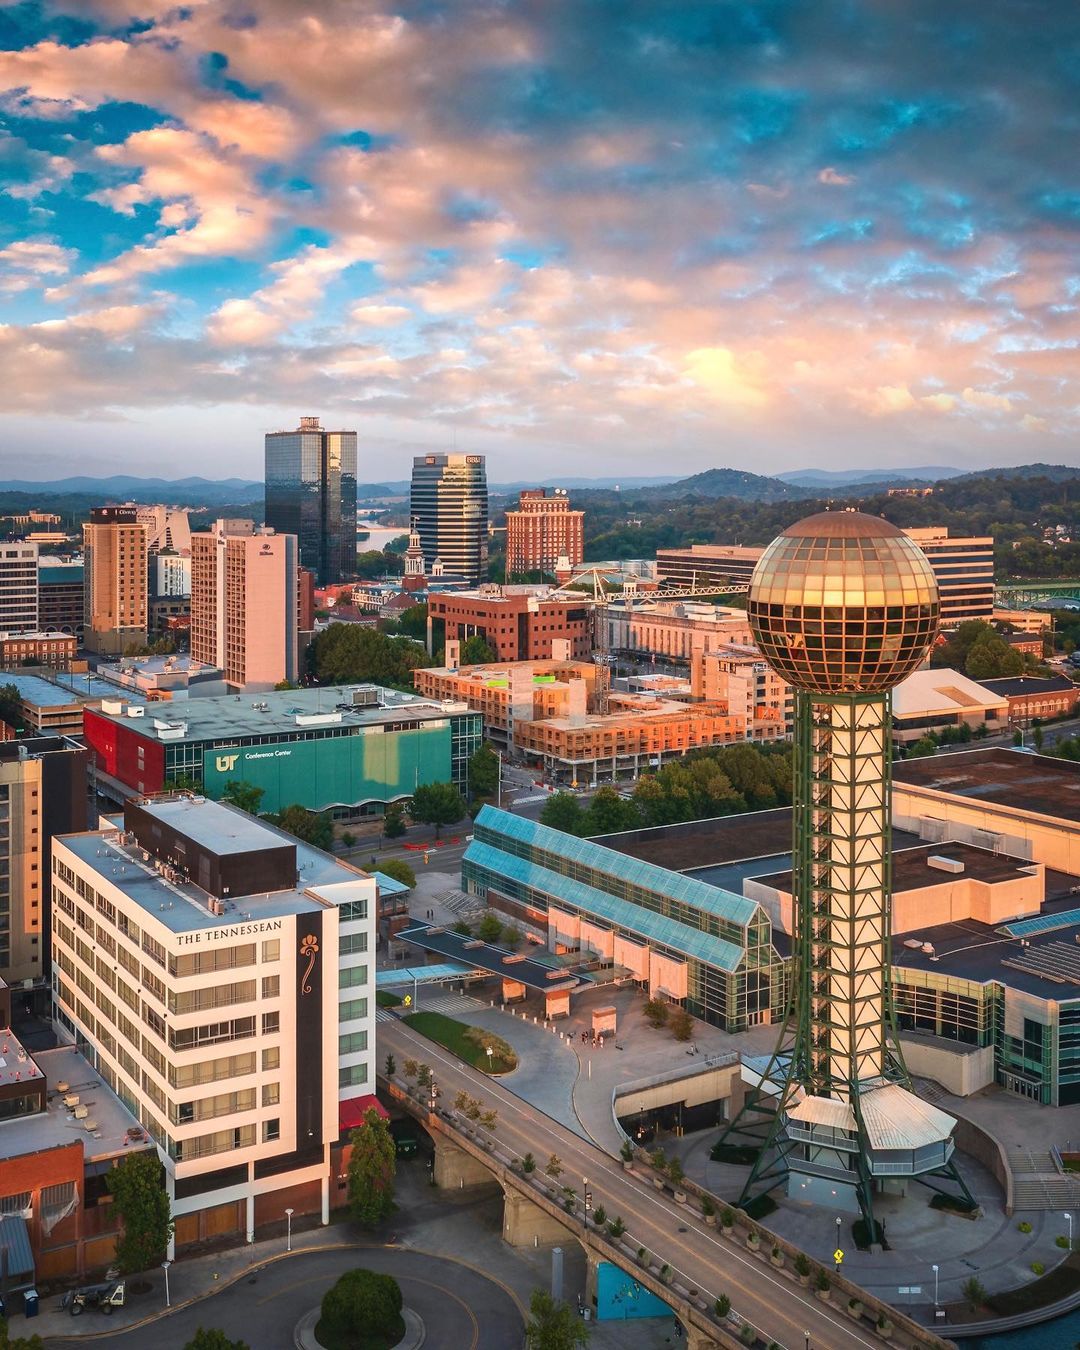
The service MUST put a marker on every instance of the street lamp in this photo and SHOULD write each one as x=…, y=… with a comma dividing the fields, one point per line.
x=839, y=1223
x=165, y=1267
x=433, y=1093
x=1069, y=1217
x=935, y=1270
x=588, y=1197
x=806, y=1338
x=288, y=1230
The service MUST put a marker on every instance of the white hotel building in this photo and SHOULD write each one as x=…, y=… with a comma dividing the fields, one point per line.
x=219, y=975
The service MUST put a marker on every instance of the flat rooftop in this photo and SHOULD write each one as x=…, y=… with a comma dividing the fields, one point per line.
x=62, y=691
x=501, y=961
x=912, y=871
x=115, y=1130
x=219, y=827
x=16, y=1064
x=707, y=843
x=279, y=712
x=182, y=906
x=1048, y=967
x=1038, y=783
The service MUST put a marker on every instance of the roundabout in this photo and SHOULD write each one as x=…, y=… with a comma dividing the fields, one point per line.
x=451, y=1305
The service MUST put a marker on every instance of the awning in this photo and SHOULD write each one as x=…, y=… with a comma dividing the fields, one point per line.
x=16, y=1256
x=351, y=1113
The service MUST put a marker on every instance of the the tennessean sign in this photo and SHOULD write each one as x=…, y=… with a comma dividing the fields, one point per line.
x=230, y=933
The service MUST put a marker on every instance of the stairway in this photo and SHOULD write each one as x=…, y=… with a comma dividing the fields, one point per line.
x=1037, y=1183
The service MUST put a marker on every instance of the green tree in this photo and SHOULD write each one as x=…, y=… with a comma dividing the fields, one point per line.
x=362, y=1309
x=19, y=1342
x=11, y=706
x=399, y=870
x=393, y=823
x=682, y=1025
x=413, y=622
x=210, y=1338
x=489, y=929
x=313, y=827
x=975, y=1293
x=554, y=1325
x=991, y=658
x=142, y=1206
x=922, y=747
x=372, y=1168
x=609, y=813
x=1037, y=736
x=437, y=804
x=475, y=651
x=562, y=811
x=346, y=652
x=246, y=796
x=483, y=772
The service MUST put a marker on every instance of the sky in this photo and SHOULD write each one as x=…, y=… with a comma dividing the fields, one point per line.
x=588, y=237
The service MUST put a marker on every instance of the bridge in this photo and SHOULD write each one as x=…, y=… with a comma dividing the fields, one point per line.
x=667, y=1247
x=1036, y=594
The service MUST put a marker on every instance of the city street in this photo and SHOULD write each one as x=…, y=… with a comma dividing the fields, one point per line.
x=701, y=1259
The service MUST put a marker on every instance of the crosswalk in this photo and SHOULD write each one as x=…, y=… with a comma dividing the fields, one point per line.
x=432, y=1001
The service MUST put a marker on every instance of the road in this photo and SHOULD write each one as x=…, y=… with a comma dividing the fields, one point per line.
x=461, y=1309
x=703, y=1260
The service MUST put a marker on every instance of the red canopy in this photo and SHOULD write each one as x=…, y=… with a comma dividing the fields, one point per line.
x=351, y=1113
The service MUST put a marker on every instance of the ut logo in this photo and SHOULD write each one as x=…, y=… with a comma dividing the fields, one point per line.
x=223, y=763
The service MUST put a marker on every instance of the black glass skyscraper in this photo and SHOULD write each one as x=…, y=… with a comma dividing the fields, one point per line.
x=311, y=492
x=449, y=505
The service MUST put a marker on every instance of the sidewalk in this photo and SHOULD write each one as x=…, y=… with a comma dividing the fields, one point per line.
x=189, y=1280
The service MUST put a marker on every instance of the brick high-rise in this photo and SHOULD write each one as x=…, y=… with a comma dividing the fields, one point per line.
x=542, y=530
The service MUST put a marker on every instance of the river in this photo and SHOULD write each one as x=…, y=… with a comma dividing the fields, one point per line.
x=1063, y=1333
x=378, y=535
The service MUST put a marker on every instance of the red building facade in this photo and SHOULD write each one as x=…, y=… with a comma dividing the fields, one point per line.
x=519, y=623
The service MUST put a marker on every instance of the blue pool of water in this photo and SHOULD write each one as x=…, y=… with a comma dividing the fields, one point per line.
x=1061, y=1334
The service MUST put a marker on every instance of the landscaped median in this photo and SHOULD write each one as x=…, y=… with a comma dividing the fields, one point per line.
x=479, y=1048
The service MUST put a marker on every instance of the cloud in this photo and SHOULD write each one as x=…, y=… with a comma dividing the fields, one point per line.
x=25, y=263
x=284, y=304
x=834, y=178
x=379, y=316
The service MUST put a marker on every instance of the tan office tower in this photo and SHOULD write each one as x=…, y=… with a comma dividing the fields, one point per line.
x=114, y=580
x=245, y=603
x=542, y=530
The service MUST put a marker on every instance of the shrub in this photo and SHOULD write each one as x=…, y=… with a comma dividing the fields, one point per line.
x=1037, y=1268
x=682, y=1025
x=974, y=1292
x=626, y=1153
x=727, y=1219
x=1061, y=1241
x=554, y=1167
x=707, y=1206
x=747, y=1334
x=656, y=1012
x=802, y=1264
x=616, y=1228
x=722, y=1306
x=600, y=1216
x=822, y=1281
x=360, y=1298
x=658, y=1158
x=528, y=1163
x=675, y=1171
x=642, y=1256
x=1024, y=1226
x=665, y=1272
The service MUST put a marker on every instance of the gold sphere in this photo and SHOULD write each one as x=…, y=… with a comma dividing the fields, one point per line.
x=843, y=603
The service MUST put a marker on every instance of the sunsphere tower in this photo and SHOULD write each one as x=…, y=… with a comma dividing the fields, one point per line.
x=843, y=606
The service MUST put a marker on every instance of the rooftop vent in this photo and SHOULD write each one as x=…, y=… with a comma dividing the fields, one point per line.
x=942, y=864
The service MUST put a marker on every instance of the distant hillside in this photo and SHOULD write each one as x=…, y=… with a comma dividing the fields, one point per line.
x=126, y=487
x=845, y=478
x=737, y=483
x=1056, y=473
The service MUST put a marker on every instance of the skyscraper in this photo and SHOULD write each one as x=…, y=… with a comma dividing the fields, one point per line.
x=114, y=579
x=311, y=493
x=450, y=510
x=843, y=606
x=245, y=603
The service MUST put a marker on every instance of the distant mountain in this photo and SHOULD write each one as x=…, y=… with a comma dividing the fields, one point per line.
x=1057, y=473
x=844, y=478
x=126, y=487
x=747, y=487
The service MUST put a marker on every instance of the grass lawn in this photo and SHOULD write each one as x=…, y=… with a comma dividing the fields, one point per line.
x=468, y=1043
x=360, y=1340
x=384, y=999
x=1059, y=1284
